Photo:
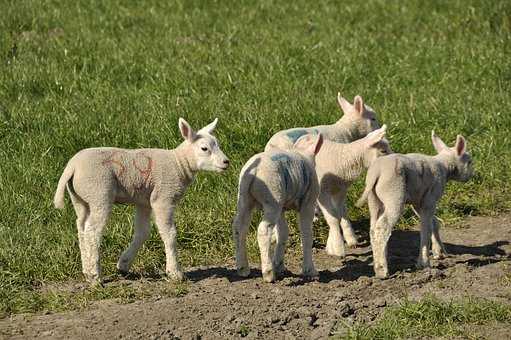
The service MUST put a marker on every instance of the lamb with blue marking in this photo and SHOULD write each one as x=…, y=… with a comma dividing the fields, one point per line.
x=276, y=181
x=357, y=122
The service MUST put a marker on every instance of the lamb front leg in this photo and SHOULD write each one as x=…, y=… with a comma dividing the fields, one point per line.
x=164, y=216
x=142, y=230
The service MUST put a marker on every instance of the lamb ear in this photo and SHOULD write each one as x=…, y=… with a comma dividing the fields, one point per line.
x=438, y=144
x=377, y=135
x=318, y=144
x=309, y=143
x=358, y=104
x=461, y=145
x=345, y=105
x=186, y=130
x=210, y=127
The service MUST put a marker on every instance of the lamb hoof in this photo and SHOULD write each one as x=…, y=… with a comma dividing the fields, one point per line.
x=440, y=256
x=175, y=276
x=123, y=273
x=123, y=268
x=311, y=274
x=336, y=251
x=244, y=271
x=422, y=265
x=353, y=245
x=93, y=280
x=381, y=274
x=280, y=268
x=269, y=276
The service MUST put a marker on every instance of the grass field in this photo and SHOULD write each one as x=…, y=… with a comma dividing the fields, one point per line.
x=119, y=73
x=434, y=318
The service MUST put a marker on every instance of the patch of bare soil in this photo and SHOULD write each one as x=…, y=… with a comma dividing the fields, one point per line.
x=221, y=305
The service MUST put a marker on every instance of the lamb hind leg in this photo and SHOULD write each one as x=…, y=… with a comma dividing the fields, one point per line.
x=335, y=241
x=437, y=248
x=240, y=226
x=94, y=226
x=82, y=213
x=426, y=216
x=305, y=221
x=264, y=232
x=280, y=248
x=388, y=214
x=347, y=229
x=141, y=232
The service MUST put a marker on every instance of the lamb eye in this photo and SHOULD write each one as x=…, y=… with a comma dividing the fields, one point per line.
x=204, y=148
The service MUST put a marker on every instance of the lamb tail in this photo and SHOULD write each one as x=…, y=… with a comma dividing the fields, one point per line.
x=68, y=173
x=371, y=180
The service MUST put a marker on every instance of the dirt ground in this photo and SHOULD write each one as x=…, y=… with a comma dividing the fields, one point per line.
x=221, y=305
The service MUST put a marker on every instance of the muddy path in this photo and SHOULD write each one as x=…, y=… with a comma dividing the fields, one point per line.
x=220, y=305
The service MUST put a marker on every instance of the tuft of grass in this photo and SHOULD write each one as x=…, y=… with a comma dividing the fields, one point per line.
x=432, y=317
x=119, y=73
x=58, y=299
x=243, y=331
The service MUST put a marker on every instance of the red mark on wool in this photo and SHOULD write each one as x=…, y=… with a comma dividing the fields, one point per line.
x=145, y=172
x=121, y=169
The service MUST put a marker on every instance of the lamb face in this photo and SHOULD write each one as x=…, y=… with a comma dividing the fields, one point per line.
x=359, y=115
x=376, y=145
x=204, y=146
x=460, y=162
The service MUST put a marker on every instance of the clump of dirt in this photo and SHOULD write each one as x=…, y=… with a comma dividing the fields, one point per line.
x=221, y=305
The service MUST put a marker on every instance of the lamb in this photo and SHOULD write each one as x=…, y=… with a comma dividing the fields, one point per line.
x=275, y=181
x=358, y=120
x=337, y=166
x=420, y=180
x=153, y=180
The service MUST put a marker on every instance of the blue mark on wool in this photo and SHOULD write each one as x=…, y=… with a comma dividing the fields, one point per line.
x=280, y=157
x=306, y=177
x=295, y=134
x=284, y=162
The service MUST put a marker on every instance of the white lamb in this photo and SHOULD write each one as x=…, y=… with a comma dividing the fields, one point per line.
x=337, y=166
x=275, y=181
x=420, y=180
x=152, y=179
x=358, y=121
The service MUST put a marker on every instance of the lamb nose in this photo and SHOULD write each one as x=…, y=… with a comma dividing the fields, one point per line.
x=226, y=161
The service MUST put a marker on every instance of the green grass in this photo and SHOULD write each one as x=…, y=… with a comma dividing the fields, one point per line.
x=432, y=317
x=119, y=73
